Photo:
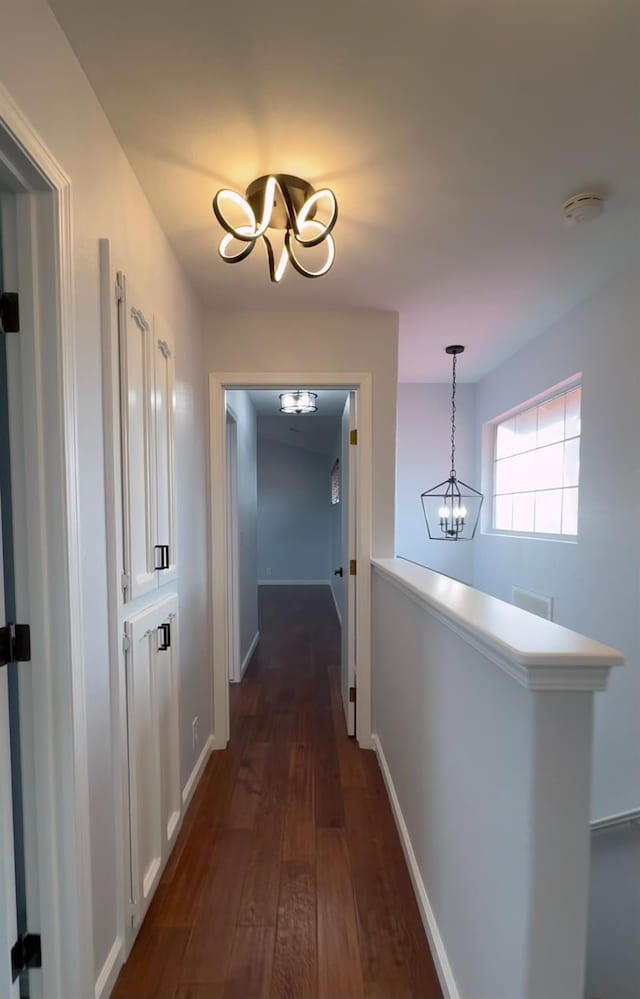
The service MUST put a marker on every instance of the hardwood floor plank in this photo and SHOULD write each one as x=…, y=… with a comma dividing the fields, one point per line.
x=299, y=829
x=153, y=967
x=382, y=942
x=208, y=951
x=245, y=797
x=249, y=974
x=339, y=961
x=295, y=964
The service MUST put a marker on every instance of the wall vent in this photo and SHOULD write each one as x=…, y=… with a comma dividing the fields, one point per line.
x=535, y=603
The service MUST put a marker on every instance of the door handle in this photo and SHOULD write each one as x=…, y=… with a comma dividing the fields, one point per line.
x=165, y=641
x=164, y=556
x=338, y=572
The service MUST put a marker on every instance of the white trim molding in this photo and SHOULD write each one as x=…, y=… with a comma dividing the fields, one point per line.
x=252, y=648
x=335, y=603
x=631, y=817
x=219, y=382
x=436, y=943
x=106, y=980
x=197, y=772
x=49, y=584
x=539, y=654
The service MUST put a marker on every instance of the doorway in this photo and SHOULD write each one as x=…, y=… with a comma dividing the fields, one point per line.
x=42, y=704
x=355, y=457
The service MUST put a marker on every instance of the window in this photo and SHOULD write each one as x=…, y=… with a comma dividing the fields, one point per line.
x=536, y=468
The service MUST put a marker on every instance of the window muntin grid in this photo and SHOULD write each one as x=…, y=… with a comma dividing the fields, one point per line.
x=536, y=468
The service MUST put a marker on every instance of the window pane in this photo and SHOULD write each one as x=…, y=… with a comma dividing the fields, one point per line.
x=569, y=511
x=525, y=431
x=548, y=518
x=572, y=462
x=549, y=471
x=506, y=475
x=503, y=508
x=551, y=421
x=523, y=512
x=505, y=441
x=572, y=418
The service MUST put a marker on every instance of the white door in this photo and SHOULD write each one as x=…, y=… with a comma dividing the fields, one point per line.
x=145, y=791
x=348, y=485
x=233, y=602
x=163, y=408
x=138, y=432
x=8, y=915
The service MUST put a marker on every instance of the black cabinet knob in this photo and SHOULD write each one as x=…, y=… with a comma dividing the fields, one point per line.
x=338, y=572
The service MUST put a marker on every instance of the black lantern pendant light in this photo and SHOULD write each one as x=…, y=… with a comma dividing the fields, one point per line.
x=452, y=508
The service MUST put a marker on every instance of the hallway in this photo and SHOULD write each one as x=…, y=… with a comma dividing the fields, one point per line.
x=288, y=879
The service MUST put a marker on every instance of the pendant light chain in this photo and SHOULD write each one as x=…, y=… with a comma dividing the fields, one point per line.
x=453, y=419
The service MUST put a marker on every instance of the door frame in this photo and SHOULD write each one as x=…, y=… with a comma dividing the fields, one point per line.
x=44, y=438
x=233, y=547
x=219, y=383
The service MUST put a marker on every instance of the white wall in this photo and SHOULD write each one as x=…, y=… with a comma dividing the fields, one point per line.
x=492, y=780
x=423, y=459
x=42, y=75
x=294, y=508
x=323, y=342
x=241, y=407
x=613, y=954
x=594, y=583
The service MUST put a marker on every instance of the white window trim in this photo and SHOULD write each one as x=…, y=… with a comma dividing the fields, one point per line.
x=489, y=433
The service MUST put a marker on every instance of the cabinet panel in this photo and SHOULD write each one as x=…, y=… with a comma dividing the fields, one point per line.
x=145, y=808
x=155, y=802
x=138, y=445
x=167, y=669
x=164, y=433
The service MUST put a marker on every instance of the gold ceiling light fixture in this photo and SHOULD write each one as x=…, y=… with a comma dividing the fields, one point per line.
x=278, y=201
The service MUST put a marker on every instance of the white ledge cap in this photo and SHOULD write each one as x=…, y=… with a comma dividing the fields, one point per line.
x=537, y=653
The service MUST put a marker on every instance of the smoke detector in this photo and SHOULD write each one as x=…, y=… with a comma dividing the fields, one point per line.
x=583, y=207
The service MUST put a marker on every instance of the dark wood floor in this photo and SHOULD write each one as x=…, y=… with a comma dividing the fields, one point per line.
x=288, y=879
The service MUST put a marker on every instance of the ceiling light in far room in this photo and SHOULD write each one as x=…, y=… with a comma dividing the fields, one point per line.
x=452, y=508
x=278, y=201
x=298, y=402
x=583, y=207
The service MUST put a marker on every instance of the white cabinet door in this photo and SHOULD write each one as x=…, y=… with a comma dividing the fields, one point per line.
x=135, y=327
x=164, y=423
x=145, y=805
x=167, y=678
x=155, y=801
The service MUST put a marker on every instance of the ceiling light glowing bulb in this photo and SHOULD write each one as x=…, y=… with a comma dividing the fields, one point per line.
x=279, y=201
x=463, y=511
x=443, y=512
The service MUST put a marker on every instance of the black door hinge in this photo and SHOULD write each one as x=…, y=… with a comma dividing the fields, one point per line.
x=9, y=312
x=26, y=953
x=15, y=644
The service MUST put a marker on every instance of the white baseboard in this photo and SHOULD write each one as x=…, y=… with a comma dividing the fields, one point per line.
x=294, y=582
x=197, y=771
x=247, y=658
x=440, y=959
x=106, y=980
x=336, y=604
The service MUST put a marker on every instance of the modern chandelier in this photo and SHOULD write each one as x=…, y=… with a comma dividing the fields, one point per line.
x=278, y=201
x=298, y=402
x=452, y=508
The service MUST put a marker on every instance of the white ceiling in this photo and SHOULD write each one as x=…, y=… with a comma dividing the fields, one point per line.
x=450, y=131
